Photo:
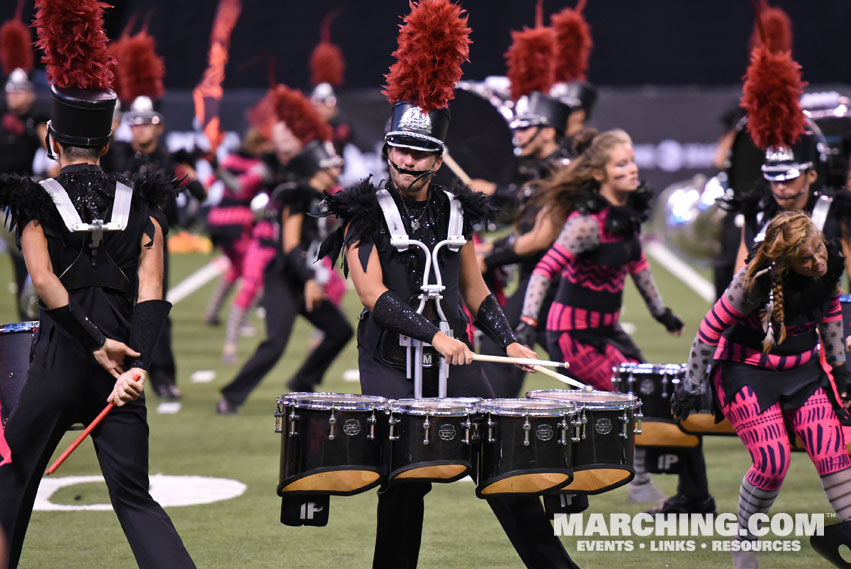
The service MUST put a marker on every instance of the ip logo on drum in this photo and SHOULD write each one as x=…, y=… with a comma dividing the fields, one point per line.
x=308, y=509
x=351, y=427
x=446, y=432
x=544, y=432
x=603, y=426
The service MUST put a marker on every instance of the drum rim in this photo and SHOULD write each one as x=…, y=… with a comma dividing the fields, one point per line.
x=466, y=406
x=27, y=326
x=618, y=400
x=491, y=406
x=648, y=368
x=322, y=400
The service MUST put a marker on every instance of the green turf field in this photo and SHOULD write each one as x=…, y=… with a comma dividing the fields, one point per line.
x=245, y=532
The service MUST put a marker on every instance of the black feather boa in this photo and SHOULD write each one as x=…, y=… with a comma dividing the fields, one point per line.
x=622, y=221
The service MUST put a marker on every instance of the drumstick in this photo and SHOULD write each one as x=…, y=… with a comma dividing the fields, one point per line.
x=520, y=361
x=456, y=168
x=563, y=378
x=58, y=462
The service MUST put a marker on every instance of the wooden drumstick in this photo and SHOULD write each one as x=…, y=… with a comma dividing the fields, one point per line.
x=563, y=378
x=456, y=168
x=519, y=361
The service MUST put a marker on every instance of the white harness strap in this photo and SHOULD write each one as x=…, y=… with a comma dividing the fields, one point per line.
x=120, y=208
x=456, y=221
x=393, y=218
x=820, y=210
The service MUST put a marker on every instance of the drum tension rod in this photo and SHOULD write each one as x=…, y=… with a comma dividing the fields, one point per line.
x=624, y=422
x=491, y=425
x=563, y=426
x=332, y=420
x=639, y=416
x=426, y=425
x=371, y=422
x=468, y=425
x=527, y=426
x=577, y=424
x=393, y=421
x=293, y=419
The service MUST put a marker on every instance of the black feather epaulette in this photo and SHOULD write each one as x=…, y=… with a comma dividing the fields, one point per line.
x=26, y=201
x=842, y=204
x=154, y=186
x=477, y=206
x=360, y=217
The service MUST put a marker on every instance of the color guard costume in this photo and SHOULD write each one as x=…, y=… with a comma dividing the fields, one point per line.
x=374, y=219
x=96, y=258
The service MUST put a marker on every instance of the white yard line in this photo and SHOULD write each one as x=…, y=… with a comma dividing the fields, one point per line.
x=199, y=278
x=680, y=269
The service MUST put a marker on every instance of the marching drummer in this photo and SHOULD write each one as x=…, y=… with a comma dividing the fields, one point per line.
x=392, y=236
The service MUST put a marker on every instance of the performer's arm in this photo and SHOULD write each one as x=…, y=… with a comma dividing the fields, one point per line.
x=643, y=279
x=46, y=283
x=541, y=237
x=580, y=233
x=830, y=331
x=392, y=312
x=297, y=256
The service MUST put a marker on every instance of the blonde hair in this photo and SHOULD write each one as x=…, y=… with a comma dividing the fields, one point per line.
x=559, y=191
x=785, y=235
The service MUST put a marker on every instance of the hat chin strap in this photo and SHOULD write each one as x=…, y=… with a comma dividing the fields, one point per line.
x=418, y=174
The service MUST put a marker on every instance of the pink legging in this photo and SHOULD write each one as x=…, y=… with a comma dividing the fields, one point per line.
x=236, y=251
x=765, y=435
x=588, y=365
x=253, y=266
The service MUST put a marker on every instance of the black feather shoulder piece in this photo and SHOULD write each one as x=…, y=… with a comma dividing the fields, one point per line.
x=359, y=213
x=154, y=186
x=477, y=206
x=26, y=200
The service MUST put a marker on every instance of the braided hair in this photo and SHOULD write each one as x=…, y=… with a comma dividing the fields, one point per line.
x=559, y=192
x=785, y=235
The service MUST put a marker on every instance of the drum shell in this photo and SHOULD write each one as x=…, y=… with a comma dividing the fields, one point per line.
x=653, y=385
x=452, y=440
x=357, y=445
x=503, y=453
x=607, y=442
x=15, y=350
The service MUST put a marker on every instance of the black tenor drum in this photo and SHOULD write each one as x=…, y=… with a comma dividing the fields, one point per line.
x=604, y=437
x=526, y=446
x=331, y=443
x=432, y=439
x=15, y=346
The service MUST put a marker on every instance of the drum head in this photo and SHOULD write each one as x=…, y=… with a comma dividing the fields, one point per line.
x=346, y=401
x=586, y=399
x=524, y=407
x=446, y=406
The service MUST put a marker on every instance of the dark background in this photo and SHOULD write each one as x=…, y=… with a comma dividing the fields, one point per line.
x=637, y=42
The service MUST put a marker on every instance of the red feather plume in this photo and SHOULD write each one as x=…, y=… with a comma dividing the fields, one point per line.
x=15, y=46
x=262, y=116
x=141, y=70
x=434, y=41
x=573, y=44
x=326, y=61
x=71, y=35
x=772, y=92
x=530, y=61
x=301, y=117
x=777, y=29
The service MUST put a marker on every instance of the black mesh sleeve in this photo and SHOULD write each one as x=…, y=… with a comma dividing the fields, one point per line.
x=392, y=313
x=73, y=322
x=492, y=321
x=148, y=320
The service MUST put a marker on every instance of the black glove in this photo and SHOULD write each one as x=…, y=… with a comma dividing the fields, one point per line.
x=684, y=402
x=670, y=321
x=526, y=334
x=841, y=377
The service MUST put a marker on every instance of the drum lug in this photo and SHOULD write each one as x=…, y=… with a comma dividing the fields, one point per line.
x=468, y=427
x=332, y=421
x=563, y=426
x=577, y=424
x=527, y=426
x=584, y=425
x=665, y=382
x=616, y=378
x=280, y=413
x=426, y=425
x=371, y=422
x=624, y=422
x=491, y=425
x=639, y=417
x=393, y=421
x=293, y=420
x=630, y=382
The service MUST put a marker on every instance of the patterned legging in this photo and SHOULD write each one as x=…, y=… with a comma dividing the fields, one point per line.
x=587, y=364
x=765, y=435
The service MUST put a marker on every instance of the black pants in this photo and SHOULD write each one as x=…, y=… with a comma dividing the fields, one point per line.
x=163, y=370
x=692, y=482
x=283, y=299
x=73, y=388
x=401, y=506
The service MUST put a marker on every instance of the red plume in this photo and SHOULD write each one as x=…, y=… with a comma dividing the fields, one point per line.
x=530, y=61
x=116, y=50
x=326, y=61
x=433, y=43
x=573, y=43
x=777, y=28
x=262, y=115
x=772, y=92
x=141, y=69
x=15, y=44
x=293, y=108
x=70, y=33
